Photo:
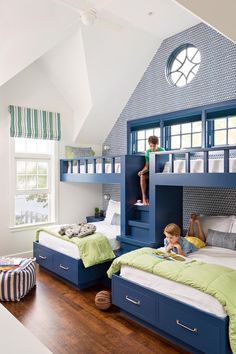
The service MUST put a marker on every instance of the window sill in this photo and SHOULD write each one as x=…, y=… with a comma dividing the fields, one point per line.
x=30, y=227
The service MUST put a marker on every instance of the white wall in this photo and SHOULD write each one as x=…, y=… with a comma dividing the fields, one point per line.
x=33, y=89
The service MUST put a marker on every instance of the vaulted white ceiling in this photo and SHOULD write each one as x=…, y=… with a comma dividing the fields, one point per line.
x=96, y=67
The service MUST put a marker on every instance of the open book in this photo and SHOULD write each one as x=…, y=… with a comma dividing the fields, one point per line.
x=169, y=256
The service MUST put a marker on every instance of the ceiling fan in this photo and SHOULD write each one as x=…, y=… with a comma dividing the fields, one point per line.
x=89, y=13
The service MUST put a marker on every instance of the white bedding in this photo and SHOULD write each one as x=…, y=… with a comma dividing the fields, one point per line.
x=196, y=166
x=182, y=292
x=69, y=248
x=98, y=168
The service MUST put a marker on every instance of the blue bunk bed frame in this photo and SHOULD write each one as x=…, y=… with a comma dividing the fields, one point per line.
x=191, y=328
x=185, y=325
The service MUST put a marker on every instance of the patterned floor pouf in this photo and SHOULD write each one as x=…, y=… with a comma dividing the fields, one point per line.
x=16, y=283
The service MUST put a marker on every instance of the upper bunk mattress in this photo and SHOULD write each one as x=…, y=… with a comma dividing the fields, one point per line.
x=185, y=293
x=70, y=249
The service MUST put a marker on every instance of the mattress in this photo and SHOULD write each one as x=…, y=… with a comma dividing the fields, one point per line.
x=69, y=248
x=108, y=168
x=185, y=293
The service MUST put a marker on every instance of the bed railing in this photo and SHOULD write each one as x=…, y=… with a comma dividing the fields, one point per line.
x=91, y=169
x=207, y=159
x=98, y=164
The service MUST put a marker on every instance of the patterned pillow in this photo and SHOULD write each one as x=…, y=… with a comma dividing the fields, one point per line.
x=221, y=239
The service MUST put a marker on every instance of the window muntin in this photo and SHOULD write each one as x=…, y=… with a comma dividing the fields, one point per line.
x=34, y=182
x=184, y=136
x=183, y=65
x=140, y=137
x=223, y=131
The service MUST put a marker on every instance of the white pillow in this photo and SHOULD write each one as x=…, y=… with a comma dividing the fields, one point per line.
x=233, y=228
x=196, y=166
x=179, y=166
x=232, y=165
x=166, y=168
x=216, y=165
x=218, y=223
x=112, y=208
x=116, y=219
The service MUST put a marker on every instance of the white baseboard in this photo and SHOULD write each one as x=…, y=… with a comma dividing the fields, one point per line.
x=28, y=254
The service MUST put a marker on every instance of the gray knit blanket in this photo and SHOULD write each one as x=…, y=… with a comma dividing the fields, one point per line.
x=77, y=230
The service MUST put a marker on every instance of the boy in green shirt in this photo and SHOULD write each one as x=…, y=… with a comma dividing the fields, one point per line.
x=153, y=142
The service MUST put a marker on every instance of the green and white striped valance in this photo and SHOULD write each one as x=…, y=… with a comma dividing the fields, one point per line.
x=34, y=123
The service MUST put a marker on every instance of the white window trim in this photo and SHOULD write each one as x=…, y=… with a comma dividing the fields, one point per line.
x=54, y=188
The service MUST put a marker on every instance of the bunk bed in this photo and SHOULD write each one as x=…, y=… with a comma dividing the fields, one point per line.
x=188, y=325
x=109, y=170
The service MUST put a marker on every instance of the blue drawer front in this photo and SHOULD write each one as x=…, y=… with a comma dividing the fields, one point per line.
x=66, y=267
x=43, y=257
x=138, y=302
x=198, y=331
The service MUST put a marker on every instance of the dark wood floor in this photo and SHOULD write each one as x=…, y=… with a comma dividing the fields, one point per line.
x=67, y=322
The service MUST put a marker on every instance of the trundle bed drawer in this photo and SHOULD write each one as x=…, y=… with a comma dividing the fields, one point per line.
x=193, y=327
x=137, y=301
x=43, y=256
x=66, y=267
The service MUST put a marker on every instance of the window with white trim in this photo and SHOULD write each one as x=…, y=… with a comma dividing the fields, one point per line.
x=184, y=136
x=34, y=181
x=222, y=131
x=140, y=139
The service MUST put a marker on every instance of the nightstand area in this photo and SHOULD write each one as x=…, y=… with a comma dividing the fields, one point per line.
x=94, y=219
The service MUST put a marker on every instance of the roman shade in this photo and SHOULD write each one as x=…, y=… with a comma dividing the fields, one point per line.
x=34, y=123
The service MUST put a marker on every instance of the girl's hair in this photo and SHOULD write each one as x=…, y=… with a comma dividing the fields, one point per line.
x=153, y=140
x=172, y=229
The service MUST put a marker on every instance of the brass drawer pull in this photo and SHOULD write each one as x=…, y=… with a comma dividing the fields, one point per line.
x=42, y=257
x=136, y=302
x=65, y=268
x=188, y=328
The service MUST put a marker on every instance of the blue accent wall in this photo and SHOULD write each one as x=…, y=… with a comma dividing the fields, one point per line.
x=214, y=82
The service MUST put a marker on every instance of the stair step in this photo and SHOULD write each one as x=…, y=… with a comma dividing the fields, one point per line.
x=142, y=225
x=142, y=207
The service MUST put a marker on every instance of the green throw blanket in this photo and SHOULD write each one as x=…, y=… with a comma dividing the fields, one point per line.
x=212, y=279
x=93, y=249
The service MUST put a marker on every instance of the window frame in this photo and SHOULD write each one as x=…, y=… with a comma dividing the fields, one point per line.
x=168, y=134
x=134, y=140
x=211, y=130
x=52, y=189
x=204, y=113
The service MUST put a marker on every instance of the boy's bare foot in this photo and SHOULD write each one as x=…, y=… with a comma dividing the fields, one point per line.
x=193, y=216
x=145, y=201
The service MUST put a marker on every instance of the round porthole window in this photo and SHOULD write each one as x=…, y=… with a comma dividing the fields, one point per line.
x=183, y=65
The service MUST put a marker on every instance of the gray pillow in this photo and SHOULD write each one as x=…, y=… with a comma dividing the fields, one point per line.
x=221, y=239
x=72, y=152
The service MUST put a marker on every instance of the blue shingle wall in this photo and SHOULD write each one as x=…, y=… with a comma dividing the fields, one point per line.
x=214, y=82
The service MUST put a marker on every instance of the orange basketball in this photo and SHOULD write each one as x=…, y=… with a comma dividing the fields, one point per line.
x=103, y=300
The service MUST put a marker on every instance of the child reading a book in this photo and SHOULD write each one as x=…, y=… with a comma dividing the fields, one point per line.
x=184, y=245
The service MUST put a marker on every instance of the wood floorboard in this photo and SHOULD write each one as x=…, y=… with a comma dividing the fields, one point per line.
x=67, y=322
